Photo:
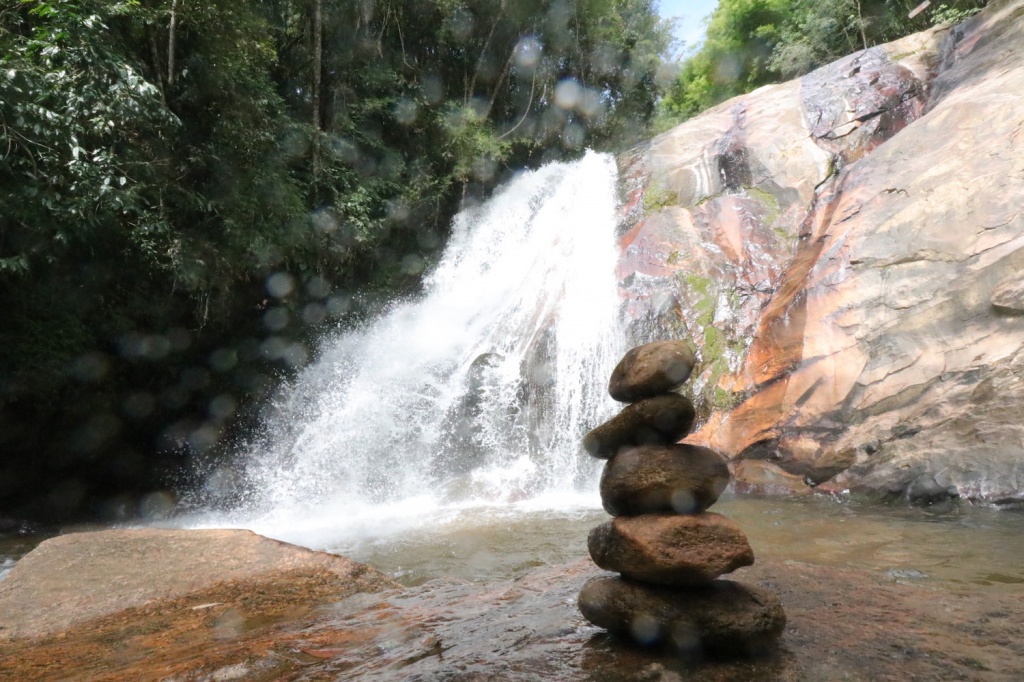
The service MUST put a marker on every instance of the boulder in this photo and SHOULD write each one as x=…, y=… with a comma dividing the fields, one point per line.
x=829, y=465
x=758, y=477
x=686, y=479
x=722, y=618
x=79, y=577
x=650, y=370
x=857, y=237
x=670, y=549
x=661, y=420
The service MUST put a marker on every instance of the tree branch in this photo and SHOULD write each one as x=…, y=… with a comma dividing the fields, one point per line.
x=533, y=85
x=170, y=42
x=483, y=53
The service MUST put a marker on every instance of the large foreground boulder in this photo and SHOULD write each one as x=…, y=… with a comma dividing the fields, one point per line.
x=79, y=577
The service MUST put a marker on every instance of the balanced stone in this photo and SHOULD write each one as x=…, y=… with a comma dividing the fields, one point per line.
x=686, y=479
x=670, y=549
x=723, y=617
x=661, y=420
x=650, y=370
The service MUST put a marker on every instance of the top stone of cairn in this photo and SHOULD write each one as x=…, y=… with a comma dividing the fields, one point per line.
x=651, y=369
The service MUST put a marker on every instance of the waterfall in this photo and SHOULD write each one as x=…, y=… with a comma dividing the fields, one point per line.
x=478, y=391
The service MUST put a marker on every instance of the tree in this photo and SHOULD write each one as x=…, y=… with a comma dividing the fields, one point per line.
x=188, y=189
x=755, y=42
x=735, y=57
x=821, y=32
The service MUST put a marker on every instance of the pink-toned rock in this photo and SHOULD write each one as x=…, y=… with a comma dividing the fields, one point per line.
x=724, y=617
x=650, y=370
x=81, y=577
x=758, y=477
x=661, y=420
x=1008, y=297
x=685, y=479
x=670, y=549
x=858, y=235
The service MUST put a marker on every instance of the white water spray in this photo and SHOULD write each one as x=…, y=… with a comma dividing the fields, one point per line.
x=478, y=393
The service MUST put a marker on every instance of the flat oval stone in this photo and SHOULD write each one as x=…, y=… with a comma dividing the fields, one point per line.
x=686, y=479
x=723, y=618
x=670, y=549
x=650, y=370
x=661, y=420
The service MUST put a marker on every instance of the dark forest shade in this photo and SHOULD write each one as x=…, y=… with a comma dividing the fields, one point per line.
x=191, y=189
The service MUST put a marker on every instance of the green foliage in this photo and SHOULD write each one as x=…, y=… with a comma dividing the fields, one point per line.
x=822, y=32
x=720, y=350
x=81, y=130
x=188, y=189
x=734, y=59
x=953, y=14
x=755, y=42
x=658, y=197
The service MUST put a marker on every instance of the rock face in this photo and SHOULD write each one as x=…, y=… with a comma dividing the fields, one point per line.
x=663, y=419
x=685, y=479
x=723, y=618
x=845, y=251
x=81, y=577
x=670, y=549
x=1008, y=297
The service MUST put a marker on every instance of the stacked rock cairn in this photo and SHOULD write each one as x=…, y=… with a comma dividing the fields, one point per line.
x=668, y=550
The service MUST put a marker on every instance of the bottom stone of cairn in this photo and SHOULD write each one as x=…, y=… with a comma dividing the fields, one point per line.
x=723, y=618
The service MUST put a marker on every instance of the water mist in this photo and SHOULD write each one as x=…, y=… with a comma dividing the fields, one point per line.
x=475, y=394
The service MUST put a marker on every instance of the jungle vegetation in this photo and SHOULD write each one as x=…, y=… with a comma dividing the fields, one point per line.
x=190, y=192
x=189, y=189
x=751, y=43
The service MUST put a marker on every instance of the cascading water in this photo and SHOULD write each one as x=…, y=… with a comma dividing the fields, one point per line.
x=478, y=392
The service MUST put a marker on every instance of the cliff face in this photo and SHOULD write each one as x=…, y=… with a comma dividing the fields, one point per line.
x=846, y=250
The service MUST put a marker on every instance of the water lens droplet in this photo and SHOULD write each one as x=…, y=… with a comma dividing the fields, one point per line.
x=280, y=284
x=645, y=629
x=683, y=502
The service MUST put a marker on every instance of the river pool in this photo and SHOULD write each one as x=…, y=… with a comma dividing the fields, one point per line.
x=960, y=547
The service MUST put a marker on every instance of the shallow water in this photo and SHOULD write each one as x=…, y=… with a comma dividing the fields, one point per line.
x=956, y=548
x=961, y=547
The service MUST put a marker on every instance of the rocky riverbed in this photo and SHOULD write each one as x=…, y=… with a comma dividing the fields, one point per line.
x=226, y=605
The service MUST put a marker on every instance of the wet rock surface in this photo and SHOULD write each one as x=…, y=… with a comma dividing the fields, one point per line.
x=725, y=618
x=81, y=577
x=651, y=369
x=841, y=624
x=686, y=479
x=661, y=420
x=854, y=289
x=758, y=477
x=670, y=549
